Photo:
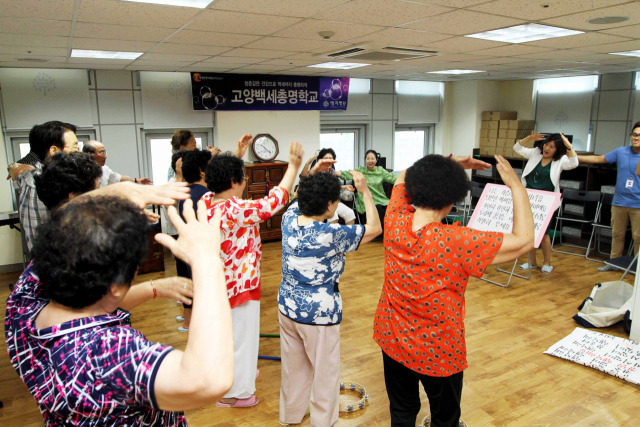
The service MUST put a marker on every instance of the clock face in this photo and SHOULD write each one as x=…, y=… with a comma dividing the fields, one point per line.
x=265, y=147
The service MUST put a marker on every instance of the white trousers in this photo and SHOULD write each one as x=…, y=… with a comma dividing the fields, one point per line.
x=310, y=372
x=246, y=340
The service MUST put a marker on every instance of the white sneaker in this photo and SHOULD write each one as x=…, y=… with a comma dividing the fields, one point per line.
x=180, y=318
x=526, y=266
x=546, y=269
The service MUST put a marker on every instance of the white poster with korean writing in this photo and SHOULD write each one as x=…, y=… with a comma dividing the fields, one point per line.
x=494, y=210
x=616, y=356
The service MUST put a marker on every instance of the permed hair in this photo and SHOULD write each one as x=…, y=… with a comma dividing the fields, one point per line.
x=177, y=155
x=193, y=163
x=66, y=173
x=223, y=171
x=556, y=138
x=180, y=138
x=42, y=137
x=316, y=191
x=435, y=181
x=88, y=245
x=326, y=151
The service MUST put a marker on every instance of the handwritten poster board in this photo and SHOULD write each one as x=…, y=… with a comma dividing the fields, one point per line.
x=615, y=356
x=494, y=210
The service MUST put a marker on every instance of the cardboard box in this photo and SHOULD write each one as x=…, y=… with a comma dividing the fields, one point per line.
x=506, y=124
x=487, y=142
x=490, y=124
x=493, y=133
x=491, y=151
x=493, y=142
x=499, y=115
x=484, y=133
x=484, y=151
x=505, y=143
x=521, y=124
x=508, y=133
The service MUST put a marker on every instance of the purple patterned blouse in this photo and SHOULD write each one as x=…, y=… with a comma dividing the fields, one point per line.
x=86, y=372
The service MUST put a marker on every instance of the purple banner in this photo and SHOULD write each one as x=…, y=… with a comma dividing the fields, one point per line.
x=237, y=92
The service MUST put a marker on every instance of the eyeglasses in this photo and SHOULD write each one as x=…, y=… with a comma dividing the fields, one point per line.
x=102, y=152
x=635, y=135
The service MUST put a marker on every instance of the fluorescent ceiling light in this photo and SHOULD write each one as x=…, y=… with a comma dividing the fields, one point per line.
x=629, y=53
x=103, y=54
x=200, y=4
x=455, y=72
x=524, y=33
x=338, y=65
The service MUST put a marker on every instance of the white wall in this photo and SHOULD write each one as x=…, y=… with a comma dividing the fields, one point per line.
x=517, y=95
x=284, y=126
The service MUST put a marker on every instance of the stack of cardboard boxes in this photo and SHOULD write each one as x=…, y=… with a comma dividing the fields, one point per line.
x=500, y=130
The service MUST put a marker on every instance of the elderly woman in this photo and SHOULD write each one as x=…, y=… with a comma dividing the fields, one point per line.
x=419, y=322
x=241, y=251
x=73, y=347
x=546, y=161
x=309, y=302
x=375, y=176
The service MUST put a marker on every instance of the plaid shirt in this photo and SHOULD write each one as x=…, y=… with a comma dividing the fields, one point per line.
x=86, y=372
x=32, y=211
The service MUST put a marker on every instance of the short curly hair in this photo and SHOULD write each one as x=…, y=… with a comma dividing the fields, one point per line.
x=193, y=163
x=556, y=138
x=223, y=171
x=435, y=181
x=316, y=191
x=88, y=245
x=66, y=173
x=326, y=151
x=176, y=156
x=180, y=138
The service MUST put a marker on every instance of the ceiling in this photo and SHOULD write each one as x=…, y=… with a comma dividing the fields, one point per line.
x=281, y=36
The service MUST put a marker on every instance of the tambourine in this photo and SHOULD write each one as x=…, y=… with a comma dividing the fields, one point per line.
x=349, y=404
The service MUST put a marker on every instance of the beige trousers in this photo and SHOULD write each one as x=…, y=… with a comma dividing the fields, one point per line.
x=619, y=220
x=310, y=372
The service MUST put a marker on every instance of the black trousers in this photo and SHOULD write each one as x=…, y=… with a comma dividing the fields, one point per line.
x=382, y=210
x=404, y=395
x=183, y=270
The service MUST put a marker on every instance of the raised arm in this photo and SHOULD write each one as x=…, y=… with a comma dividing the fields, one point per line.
x=143, y=195
x=305, y=168
x=372, y=228
x=570, y=151
x=295, y=159
x=591, y=159
x=203, y=373
x=520, y=240
x=175, y=288
x=243, y=143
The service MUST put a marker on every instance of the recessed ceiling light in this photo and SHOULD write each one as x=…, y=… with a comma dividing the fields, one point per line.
x=338, y=65
x=200, y=4
x=608, y=20
x=628, y=53
x=103, y=54
x=524, y=33
x=455, y=72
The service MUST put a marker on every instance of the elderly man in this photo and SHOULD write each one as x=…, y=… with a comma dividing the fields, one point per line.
x=96, y=148
x=45, y=140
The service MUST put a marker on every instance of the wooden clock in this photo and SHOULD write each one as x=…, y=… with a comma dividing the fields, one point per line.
x=264, y=147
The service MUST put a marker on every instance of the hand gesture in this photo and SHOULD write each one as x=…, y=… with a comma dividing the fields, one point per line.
x=311, y=159
x=17, y=169
x=243, y=143
x=143, y=195
x=198, y=240
x=533, y=137
x=214, y=150
x=145, y=181
x=151, y=216
x=322, y=165
x=566, y=142
x=508, y=175
x=175, y=288
x=348, y=188
x=295, y=155
x=469, y=162
x=359, y=181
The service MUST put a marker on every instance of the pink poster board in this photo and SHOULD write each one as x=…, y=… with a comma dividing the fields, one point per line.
x=494, y=210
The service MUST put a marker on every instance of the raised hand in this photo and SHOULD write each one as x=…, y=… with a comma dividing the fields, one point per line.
x=566, y=142
x=214, y=150
x=508, y=175
x=322, y=165
x=295, y=155
x=533, y=137
x=469, y=162
x=243, y=143
x=359, y=181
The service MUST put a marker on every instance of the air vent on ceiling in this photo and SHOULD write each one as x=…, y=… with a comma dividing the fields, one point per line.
x=32, y=59
x=379, y=53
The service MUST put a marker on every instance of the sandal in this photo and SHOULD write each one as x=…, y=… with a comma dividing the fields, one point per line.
x=180, y=318
x=526, y=266
x=546, y=269
x=239, y=403
x=183, y=329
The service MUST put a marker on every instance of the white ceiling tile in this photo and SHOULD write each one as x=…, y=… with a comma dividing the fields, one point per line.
x=512, y=50
x=35, y=26
x=152, y=67
x=193, y=49
x=401, y=37
x=289, y=44
x=135, y=14
x=292, y=62
x=382, y=12
x=578, y=21
x=632, y=31
x=613, y=47
x=463, y=44
x=33, y=40
x=535, y=10
x=461, y=22
x=569, y=55
x=263, y=68
x=113, y=45
x=242, y=23
x=257, y=53
x=38, y=9
x=212, y=38
x=38, y=51
x=295, y=8
x=153, y=56
x=309, y=29
x=121, y=32
x=451, y=3
x=234, y=60
x=21, y=64
x=578, y=40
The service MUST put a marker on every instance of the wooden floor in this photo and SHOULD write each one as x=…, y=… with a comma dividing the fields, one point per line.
x=509, y=382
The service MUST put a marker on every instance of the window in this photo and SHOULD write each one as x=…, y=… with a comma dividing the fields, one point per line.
x=409, y=145
x=344, y=141
x=20, y=143
x=159, y=153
